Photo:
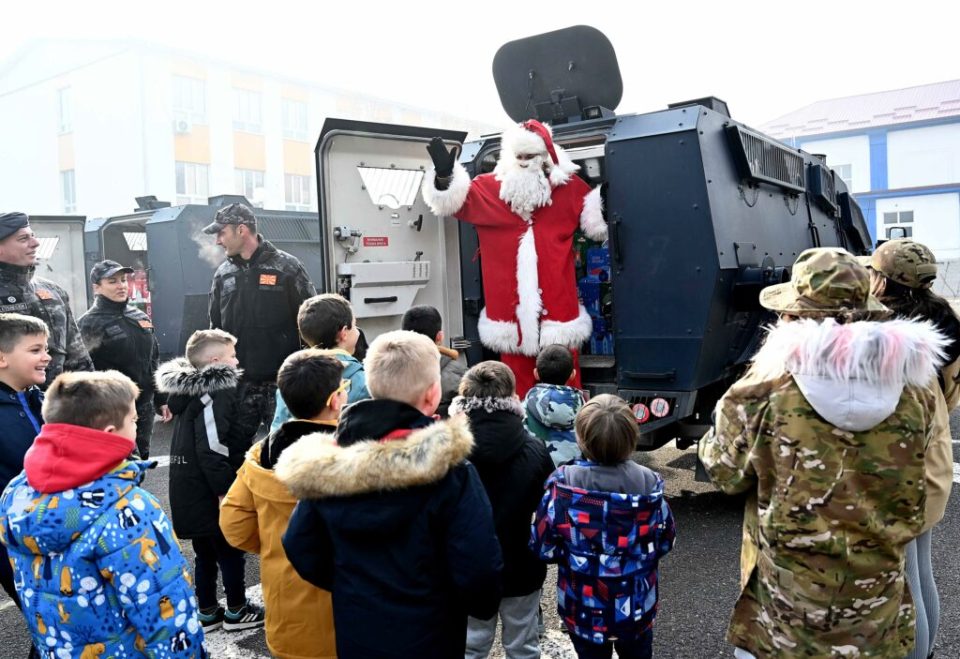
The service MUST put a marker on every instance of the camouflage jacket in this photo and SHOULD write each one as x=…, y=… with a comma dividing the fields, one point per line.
x=828, y=433
x=551, y=411
x=257, y=301
x=21, y=292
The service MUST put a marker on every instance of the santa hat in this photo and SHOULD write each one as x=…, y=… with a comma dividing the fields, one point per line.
x=534, y=137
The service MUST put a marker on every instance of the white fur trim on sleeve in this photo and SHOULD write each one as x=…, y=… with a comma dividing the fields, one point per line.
x=570, y=333
x=591, y=218
x=446, y=202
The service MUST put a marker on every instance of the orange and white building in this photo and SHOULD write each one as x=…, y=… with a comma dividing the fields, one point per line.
x=86, y=126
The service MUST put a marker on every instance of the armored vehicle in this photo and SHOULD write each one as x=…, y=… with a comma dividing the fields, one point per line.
x=703, y=212
x=174, y=261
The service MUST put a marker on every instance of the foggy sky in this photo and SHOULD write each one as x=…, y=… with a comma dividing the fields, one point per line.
x=764, y=58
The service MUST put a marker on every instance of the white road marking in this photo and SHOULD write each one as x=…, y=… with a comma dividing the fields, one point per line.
x=6, y=605
x=162, y=461
x=956, y=472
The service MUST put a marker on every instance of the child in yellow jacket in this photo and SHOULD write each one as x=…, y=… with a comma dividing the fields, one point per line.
x=255, y=512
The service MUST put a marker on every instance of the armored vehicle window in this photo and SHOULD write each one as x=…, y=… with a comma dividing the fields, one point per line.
x=136, y=240
x=392, y=188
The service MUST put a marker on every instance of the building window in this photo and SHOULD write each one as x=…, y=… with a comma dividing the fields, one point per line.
x=192, y=183
x=845, y=174
x=246, y=112
x=65, y=109
x=68, y=191
x=189, y=99
x=295, y=120
x=297, y=195
x=898, y=224
x=249, y=183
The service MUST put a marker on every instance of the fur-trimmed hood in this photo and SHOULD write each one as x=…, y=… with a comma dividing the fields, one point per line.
x=853, y=374
x=179, y=377
x=488, y=404
x=316, y=467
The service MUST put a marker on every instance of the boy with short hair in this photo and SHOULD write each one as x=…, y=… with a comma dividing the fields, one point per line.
x=23, y=368
x=393, y=504
x=513, y=467
x=97, y=566
x=327, y=322
x=426, y=320
x=255, y=512
x=206, y=450
x=605, y=522
x=552, y=405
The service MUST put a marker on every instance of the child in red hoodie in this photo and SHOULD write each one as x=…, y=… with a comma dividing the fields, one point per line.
x=95, y=562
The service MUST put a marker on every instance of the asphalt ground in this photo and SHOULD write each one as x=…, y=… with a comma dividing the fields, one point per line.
x=699, y=578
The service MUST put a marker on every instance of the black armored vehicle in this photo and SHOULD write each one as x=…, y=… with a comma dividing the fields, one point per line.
x=703, y=212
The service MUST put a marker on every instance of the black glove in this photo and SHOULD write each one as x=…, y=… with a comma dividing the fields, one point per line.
x=443, y=160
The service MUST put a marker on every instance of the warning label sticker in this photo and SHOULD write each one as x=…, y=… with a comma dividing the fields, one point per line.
x=641, y=412
x=376, y=241
x=659, y=407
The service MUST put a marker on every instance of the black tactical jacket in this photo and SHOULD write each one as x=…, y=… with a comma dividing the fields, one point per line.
x=257, y=301
x=21, y=292
x=120, y=337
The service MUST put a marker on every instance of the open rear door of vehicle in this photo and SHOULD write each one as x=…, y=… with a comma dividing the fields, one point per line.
x=382, y=247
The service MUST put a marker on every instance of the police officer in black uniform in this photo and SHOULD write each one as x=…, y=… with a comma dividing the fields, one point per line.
x=256, y=294
x=23, y=292
x=120, y=337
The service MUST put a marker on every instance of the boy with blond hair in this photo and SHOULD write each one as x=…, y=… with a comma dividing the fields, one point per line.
x=393, y=504
x=96, y=564
x=255, y=512
x=327, y=322
x=206, y=450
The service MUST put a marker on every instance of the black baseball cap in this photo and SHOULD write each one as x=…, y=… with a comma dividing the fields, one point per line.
x=10, y=223
x=107, y=268
x=234, y=214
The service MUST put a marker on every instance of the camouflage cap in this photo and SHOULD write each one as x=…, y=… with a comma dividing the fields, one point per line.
x=825, y=281
x=234, y=214
x=107, y=268
x=906, y=262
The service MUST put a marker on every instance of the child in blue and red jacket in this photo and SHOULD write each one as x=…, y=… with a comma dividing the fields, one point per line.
x=95, y=562
x=605, y=521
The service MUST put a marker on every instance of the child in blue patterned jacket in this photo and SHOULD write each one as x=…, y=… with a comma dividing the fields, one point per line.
x=97, y=567
x=605, y=521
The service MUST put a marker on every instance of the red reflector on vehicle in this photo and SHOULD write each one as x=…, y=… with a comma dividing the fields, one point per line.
x=659, y=407
x=641, y=412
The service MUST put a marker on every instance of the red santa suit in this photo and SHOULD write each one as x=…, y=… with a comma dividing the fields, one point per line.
x=527, y=263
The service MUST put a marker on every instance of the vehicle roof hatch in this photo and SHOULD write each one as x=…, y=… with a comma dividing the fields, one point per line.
x=559, y=77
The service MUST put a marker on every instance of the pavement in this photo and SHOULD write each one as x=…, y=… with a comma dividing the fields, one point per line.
x=699, y=579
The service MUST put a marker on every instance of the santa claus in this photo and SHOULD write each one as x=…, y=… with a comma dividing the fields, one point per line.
x=525, y=213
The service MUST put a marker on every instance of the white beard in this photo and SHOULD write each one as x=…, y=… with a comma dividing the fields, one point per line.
x=525, y=189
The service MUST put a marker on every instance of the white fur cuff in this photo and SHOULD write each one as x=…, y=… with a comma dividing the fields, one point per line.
x=498, y=335
x=446, y=202
x=591, y=218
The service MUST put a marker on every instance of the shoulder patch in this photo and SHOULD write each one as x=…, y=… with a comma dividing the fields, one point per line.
x=44, y=294
x=268, y=280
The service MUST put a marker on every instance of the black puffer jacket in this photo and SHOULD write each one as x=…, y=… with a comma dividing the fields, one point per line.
x=208, y=445
x=399, y=530
x=119, y=336
x=513, y=465
x=257, y=301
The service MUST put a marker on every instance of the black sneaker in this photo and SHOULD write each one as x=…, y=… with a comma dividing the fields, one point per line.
x=211, y=621
x=248, y=617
